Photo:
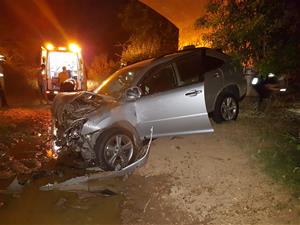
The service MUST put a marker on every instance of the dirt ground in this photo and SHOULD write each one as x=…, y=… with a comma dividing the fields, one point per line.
x=209, y=179
x=199, y=179
x=24, y=139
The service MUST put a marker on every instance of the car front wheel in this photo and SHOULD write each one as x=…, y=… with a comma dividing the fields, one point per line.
x=226, y=108
x=115, y=150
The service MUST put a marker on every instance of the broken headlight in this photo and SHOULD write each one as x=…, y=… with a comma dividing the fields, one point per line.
x=73, y=132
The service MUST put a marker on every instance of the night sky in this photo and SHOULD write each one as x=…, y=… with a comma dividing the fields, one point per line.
x=183, y=13
x=94, y=24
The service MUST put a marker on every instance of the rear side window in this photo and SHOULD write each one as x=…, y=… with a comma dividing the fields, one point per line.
x=212, y=63
x=159, y=80
x=190, y=69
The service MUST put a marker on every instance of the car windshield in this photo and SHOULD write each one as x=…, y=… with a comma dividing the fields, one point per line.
x=122, y=79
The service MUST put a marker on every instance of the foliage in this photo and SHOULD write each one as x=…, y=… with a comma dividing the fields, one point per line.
x=294, y=141
x=151, y=34
x=99, y=69
x=191, y=35
x=261, y=33
x=283, y=161
x=137, y=49
x=20, y=70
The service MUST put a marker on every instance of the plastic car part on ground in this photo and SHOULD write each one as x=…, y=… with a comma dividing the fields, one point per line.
x=79, y=183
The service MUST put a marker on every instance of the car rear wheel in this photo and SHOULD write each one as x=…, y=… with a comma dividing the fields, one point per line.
x=115, y=149
x=226, y=108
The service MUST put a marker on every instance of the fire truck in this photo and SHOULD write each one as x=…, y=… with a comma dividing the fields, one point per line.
x=53, y=59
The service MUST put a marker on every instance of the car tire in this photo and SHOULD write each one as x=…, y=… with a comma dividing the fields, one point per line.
x=226, y=108
x=111, y=155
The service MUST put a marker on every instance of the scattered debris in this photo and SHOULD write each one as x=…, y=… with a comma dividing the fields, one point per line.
x=15, y=186
x=61, y=203
x=6, y=174
x=92, y=194
x=39, y=174
x=107, y=193
x=146, y=205
x=84, y=207
x=19, y=167
x=85, y=195
x=23, y=140
x=81, y=183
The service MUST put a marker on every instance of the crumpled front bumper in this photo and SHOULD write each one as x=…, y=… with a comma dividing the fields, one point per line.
x=70, y=137
x=77, y=182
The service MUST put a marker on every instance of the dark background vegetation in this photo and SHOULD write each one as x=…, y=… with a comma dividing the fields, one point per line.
x=263, y=34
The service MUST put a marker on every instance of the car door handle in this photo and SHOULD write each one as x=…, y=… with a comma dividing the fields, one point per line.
x=193, y=93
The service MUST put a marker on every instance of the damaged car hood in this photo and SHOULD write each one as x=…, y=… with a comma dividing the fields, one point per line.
x=70, y=106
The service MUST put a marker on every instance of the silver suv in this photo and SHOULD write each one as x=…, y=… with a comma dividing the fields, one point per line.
x=174, y=94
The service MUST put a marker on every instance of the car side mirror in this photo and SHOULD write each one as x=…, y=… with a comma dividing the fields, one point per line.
x=133, y=93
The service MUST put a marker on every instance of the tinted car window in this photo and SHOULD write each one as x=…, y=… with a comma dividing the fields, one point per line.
x=212, y=63
x=159, y=80
x=190, y=69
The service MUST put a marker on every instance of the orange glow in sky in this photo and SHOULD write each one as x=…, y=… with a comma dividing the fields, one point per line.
x=47, y=12
x=183, y=13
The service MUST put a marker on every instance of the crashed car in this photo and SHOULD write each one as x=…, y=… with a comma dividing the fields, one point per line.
x=171, y=95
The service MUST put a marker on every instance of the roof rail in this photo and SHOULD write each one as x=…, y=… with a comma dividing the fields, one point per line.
x=188, y=47
x=218, y=50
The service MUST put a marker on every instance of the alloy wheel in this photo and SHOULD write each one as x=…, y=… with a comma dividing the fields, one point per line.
x=118, y=151
x=229, y=108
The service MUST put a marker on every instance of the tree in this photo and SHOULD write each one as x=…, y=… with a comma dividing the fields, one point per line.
x=262, y=33
x=99, y=69
x=20, y=70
